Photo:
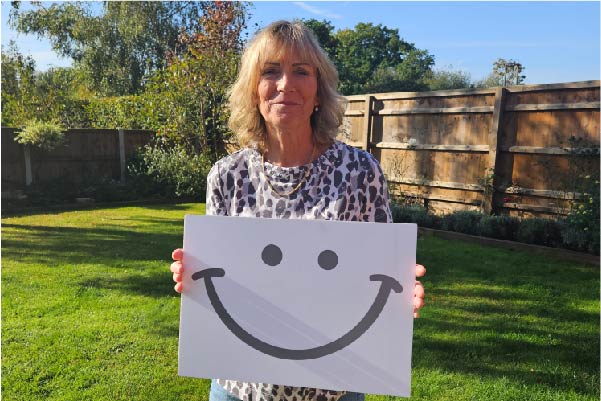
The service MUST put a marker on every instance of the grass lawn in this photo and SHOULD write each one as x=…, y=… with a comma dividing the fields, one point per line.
x=88, y=313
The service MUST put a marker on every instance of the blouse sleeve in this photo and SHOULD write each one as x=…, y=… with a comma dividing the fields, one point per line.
x=216, y=202
x=378, y=198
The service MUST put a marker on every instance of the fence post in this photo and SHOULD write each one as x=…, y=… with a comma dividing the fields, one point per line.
x=367, y=122
x=491, y=176
x=28, y=175
x=122, y=154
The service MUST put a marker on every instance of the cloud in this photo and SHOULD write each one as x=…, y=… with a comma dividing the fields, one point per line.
x=317, y=11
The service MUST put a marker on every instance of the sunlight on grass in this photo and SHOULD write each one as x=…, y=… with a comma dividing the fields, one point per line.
x=89, y=312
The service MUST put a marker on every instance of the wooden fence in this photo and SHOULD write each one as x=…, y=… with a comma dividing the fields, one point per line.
x=516, y=150
x=87, y=154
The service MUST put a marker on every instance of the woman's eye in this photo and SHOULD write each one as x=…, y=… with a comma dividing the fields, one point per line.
x=269, y=71
x=302, y=72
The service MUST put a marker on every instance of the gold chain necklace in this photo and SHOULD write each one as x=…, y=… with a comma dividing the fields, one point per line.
x=300, y=183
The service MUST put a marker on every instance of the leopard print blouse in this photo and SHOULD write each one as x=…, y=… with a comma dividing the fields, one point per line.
x=344, y=183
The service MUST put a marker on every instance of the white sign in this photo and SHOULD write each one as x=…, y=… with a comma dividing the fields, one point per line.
x=325, y=304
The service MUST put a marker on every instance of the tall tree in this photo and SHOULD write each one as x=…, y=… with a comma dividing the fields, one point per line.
x=373, y=58
x=18, y=87
x=509, y=72
x=31, y=95
x=118, y=48
x=324, y=32
x=504, y=72
x=190, y=93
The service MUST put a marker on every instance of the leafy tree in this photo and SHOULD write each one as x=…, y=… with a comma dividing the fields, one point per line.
x=119, y=48
x=448, y=79
x=509, y=72
x=29, y=95
x=63, y=96
x=373, y=58
x=18, y=87
x=324, y=32
x=189, y=95
x=505, y=72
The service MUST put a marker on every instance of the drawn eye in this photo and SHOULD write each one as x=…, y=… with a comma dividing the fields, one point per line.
x=327, y=260
x=272, y=255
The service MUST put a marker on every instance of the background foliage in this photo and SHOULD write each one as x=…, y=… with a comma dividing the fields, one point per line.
x=579, y=231
x=44, y=135
x=117, y=50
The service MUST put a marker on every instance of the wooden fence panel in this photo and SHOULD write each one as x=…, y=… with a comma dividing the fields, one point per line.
x=13, y=161
x=502, y=150
x=86, y=155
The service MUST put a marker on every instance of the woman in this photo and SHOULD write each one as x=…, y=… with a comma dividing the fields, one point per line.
x=286, y=112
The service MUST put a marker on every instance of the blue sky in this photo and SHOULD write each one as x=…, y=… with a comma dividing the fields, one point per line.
x=555, y=41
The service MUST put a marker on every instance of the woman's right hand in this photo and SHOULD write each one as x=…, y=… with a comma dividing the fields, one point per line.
x=177, y=269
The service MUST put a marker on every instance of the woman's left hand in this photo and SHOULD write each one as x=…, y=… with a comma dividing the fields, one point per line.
x=418, y=292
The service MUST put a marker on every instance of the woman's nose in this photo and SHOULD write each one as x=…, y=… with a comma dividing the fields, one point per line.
x=284, y=82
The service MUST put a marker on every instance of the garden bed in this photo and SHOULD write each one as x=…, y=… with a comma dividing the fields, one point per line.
x=555, y=253
x=577, y=232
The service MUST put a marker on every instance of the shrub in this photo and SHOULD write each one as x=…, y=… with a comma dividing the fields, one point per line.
x=500, y=227
x=170, y=170
x=42, y=134
x=414, y=214
x=540, y=231
x=580, y=230
x=465, y=222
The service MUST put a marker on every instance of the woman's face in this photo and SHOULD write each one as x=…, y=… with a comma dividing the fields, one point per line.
x=287, y=92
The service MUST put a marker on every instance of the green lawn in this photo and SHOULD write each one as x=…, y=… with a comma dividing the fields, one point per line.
x=88, y=313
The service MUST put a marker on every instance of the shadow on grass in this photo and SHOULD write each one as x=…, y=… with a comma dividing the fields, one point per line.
x=55, y=246
x=159, y=205
x=491, y=312
x=151, y=285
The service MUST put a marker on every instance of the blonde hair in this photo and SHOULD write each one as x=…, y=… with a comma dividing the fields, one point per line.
x=271, y=43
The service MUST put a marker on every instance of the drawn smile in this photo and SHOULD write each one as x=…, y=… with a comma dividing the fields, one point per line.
x=388, y=284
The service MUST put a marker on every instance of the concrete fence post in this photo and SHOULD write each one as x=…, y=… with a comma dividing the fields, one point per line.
x=122, y=154
x=28, y=175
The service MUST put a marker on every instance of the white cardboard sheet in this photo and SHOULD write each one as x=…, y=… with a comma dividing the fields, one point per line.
x=314, y=303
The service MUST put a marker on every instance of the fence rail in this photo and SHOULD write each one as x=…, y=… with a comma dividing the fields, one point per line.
x=515, y=150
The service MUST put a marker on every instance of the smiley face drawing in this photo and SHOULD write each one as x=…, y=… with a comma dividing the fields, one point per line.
x=314, y=303
x=327, y=260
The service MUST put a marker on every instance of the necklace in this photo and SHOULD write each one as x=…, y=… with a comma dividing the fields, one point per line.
x=300, y=183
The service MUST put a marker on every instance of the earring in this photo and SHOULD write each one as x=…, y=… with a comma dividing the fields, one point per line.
x=316, y=109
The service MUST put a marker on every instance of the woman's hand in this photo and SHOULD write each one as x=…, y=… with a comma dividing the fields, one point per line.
x=418, y=292
x=177, y=269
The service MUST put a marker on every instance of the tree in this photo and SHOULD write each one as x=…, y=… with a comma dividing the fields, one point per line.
x=118, y=49
x=29, y=95
x=505, y=72
x=509, y=72
x=324, y=32
x=18, y=87
x=189, y=95
x=448, y=79
x=373, y=58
